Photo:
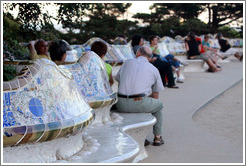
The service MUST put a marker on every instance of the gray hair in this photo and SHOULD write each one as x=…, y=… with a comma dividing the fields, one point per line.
x=145, y=50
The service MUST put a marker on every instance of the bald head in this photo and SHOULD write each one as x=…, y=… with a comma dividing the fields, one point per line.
x=144, y=51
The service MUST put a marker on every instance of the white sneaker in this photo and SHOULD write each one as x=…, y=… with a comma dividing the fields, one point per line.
x=183, y=63
x=179, y=80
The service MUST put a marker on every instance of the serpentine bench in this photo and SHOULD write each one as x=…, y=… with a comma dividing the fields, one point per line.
x=42, y=110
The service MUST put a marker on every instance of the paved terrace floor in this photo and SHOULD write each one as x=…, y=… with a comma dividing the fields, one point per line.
x=186, y=140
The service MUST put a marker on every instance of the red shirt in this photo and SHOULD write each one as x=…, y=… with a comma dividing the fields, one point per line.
x=200, y=42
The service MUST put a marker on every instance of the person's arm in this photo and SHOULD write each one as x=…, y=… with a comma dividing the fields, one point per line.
x=209, y=48
x=200, y=47
x=155, y=95
x=187, y=46
x=152, y=59
x=111, y=79
x=154, y=51
x=33, y=52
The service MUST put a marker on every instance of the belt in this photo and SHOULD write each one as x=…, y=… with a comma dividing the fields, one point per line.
x=131, y=96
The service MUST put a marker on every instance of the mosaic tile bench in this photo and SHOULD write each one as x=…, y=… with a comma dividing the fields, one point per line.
x=92, y=81
x=116, y=54
x=42, y=104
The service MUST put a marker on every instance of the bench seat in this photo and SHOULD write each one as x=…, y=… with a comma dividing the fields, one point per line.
x=120, y=142
x=196, y=65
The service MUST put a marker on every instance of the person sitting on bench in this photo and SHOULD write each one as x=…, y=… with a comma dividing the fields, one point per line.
x=193, y=48
x=100, y=48
x=171, y=59
x=226, y=47
x=139, y=87
x=164, y=68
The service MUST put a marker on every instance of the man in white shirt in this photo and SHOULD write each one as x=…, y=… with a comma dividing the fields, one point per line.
x=139, y=86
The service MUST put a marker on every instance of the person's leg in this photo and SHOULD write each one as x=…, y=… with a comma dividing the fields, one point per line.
x=158, y=64
x=176, y=65
x=213, y=58
x=165, y=69
x=169, y=57
x=145, y=105
x=209, y=62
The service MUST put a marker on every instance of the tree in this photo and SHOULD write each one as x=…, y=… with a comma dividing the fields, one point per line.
x=183, y=10
x=221, y=14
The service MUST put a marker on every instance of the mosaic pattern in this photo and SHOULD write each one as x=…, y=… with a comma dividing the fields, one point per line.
x=236, y=42
x=167, y=39
x=92, y=81
x=176, y=48
x=72, y=56
x=214, y=43
x=119, y=54
x=120, y=41
x=41, y=104
x=87, y=46
x=116, y=54
x=179, y=39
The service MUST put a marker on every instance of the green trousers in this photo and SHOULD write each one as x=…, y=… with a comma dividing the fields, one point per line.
x=146, y=105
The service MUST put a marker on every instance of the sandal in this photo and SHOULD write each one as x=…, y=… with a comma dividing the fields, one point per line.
x=210, y=70
x=158, y=141
x=174, y=87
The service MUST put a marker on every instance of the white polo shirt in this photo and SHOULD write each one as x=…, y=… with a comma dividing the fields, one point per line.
x=138, y=76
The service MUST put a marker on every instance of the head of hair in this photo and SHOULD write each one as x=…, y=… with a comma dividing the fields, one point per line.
x=99, y=47
x=121, y=35
x=57, y=49
x=192, y=33
x=219, y=35
x=192, y=37
x=37, y=45
x=136, y=39
x=206, y=37
x=145, y=50
x=151, y=38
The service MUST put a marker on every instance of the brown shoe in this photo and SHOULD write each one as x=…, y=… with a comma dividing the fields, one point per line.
x=158, y=141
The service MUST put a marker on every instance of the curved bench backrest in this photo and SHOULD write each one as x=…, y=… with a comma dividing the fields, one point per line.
x=91, y=79
x=236, y=42
x=214, y=43
x=176, y=48
x=42, y=98
x=167, y=39
x=179, y=39
x=87, y=46
x=119, y=53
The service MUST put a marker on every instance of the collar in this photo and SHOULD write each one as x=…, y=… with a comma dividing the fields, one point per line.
x=143, y=58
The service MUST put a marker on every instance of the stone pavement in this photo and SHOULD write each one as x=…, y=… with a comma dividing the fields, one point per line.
x=185, y=140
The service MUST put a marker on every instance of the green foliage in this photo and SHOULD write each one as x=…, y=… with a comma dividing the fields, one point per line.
x=9, y=73
x=230, y=32
x=182, y=10
x=11, y=48
x=195, y=25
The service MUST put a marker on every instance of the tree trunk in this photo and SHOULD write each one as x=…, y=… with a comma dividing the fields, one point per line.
x=209, y=14
x=215, y=21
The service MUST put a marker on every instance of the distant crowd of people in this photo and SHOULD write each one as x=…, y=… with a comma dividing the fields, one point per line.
x=142, y=78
